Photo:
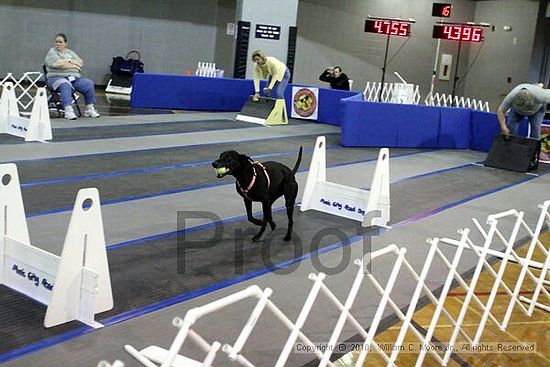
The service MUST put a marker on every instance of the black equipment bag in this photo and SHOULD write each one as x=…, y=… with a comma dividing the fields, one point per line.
x=514, y=153
x=127, y=66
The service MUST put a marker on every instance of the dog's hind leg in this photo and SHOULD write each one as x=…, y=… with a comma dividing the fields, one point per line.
x=291, y=191
x=248, y=206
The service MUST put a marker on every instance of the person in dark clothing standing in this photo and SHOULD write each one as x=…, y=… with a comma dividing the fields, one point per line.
x=336, y=78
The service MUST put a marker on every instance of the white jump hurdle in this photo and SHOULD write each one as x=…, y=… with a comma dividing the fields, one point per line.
x=370, y=207
x=75, y=285
x=36, y=128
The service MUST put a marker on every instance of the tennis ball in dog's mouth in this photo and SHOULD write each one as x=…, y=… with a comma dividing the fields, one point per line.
x=221, y=170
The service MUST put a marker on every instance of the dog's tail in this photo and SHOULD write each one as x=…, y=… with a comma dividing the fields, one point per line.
x=297, y=165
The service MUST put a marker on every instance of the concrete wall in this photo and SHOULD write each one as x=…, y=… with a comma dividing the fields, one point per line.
x=331, y=34
x=224, y=54
x=172, y=35
x=504, y=54
x=281, y=13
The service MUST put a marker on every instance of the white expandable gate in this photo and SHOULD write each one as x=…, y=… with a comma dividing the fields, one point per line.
x=370, y=207
x=36, y=128
x=23, y=86
x=440, y=351
x=447, y=100
x=392, y=92
x=75, y=285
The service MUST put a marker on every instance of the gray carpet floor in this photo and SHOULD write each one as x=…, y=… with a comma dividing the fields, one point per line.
x=158, y=274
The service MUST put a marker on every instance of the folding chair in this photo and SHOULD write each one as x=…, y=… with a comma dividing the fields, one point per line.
x=54, y=99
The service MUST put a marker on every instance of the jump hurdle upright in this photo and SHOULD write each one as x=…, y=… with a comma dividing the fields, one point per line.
x=73, y=286
x=37, y=127
x=370, y=207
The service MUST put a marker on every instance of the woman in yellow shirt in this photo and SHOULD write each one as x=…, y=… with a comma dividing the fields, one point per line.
x=276, y=73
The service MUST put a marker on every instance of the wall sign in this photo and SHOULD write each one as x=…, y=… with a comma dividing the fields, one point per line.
x=271, y=32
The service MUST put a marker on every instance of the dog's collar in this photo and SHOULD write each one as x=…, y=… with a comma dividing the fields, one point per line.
x=253, y=180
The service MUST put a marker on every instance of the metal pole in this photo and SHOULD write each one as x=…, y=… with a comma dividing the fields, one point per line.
x=456, y=73
x=434, y=73
x=384, y=69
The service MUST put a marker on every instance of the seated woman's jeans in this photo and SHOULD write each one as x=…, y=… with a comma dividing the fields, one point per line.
x=535, y=121
x=82, y=85
x=278, y=90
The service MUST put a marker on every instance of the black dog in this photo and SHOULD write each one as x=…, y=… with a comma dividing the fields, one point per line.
x=263, y=182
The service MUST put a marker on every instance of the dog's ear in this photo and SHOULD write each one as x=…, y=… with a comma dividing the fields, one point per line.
x=244, y=158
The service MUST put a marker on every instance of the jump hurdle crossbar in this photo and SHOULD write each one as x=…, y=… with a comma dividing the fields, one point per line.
x=73, y=286
x=370, y=207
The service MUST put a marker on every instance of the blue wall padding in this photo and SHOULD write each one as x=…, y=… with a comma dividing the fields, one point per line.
x=366, y=124
x=416, y=127
x=454, y=128
x=190, y=92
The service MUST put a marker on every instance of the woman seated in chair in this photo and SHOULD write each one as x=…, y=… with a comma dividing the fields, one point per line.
x=63, y=67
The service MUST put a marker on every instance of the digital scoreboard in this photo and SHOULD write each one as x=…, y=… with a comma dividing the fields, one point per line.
x=441, y=10
x=458, y=32
x=388, y=27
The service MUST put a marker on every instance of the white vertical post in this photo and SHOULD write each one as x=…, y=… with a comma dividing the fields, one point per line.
x=40, y=127
x=317, y=172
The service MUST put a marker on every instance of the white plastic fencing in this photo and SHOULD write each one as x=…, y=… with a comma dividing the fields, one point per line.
x=36, y=128
x=370, y=207
x=23, y=87
x=447, y=100
x=208, y=69
x=392, y=92
x=107, y=364
x=153, y=356
x=410, y=94
x=75, y=285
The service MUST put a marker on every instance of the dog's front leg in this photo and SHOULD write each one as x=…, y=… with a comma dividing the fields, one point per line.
x=248, y=206
x=266, y=207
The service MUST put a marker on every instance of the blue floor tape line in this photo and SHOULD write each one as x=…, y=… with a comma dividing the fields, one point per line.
x=137, y=171
x=200, y=187
x=20, y=352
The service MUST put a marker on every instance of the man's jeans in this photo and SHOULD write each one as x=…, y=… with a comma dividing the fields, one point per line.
x=535, y=121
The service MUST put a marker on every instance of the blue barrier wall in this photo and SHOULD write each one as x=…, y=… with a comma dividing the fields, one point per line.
x=217, y=94
x=190, y=92
x=366, y=124
x=373, y=124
